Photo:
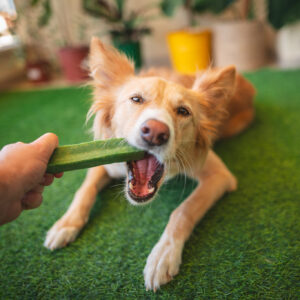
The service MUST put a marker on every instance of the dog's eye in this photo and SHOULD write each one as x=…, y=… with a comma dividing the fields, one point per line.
x=182, y=111
x=137, y=99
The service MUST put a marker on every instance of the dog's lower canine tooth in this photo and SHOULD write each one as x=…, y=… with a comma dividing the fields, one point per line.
x=151, y=190
x=130, y=185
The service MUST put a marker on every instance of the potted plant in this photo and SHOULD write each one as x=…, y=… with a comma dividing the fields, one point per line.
x=72, y=54
x=190, y=48
x=242, y=41
x=127, y=28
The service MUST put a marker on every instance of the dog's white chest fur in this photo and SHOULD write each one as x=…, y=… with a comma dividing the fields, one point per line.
x=116, y=170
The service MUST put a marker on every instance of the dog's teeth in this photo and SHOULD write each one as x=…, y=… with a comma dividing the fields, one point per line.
x=130, y=185
x=151, y=190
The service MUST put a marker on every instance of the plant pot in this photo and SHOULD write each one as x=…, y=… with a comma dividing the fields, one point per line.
x=241, y=43
x=131, y=48
x=190, y=50
x=73, y=61
x=288, y=45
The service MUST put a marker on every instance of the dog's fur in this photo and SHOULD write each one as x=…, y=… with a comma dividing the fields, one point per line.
x=219, y=103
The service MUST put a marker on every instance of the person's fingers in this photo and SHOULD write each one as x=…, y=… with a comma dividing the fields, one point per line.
x=47, y=180
x=32, y=200
x=46, y=143
x=38, y=188
x=58, y=175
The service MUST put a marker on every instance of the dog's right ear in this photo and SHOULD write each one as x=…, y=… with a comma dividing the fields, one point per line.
x=108, y=67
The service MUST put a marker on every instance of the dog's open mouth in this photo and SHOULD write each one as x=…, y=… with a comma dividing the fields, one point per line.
x=143, y=177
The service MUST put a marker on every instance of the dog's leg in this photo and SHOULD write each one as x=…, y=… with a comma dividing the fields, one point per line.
x=66, y=229
x=164, y=260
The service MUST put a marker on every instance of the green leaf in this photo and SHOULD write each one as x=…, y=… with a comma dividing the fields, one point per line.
x=215, y=6
x=120, y=6
x=168, y=7
x=101, y=9
x=34, y=2
x=46, y=15
x=284, y=12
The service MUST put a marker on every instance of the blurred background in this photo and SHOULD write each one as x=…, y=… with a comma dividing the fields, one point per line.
x=45, y=42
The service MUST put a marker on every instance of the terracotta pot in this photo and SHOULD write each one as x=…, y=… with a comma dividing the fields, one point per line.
x=190, y=50
x=73, y=61
x=241, y=43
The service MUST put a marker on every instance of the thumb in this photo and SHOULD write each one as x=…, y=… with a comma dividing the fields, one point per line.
x=46, y=144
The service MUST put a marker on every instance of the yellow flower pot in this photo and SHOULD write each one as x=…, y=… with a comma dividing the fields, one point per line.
x=190, y=50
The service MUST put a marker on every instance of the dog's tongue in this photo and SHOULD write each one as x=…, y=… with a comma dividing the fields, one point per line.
x=143, y=171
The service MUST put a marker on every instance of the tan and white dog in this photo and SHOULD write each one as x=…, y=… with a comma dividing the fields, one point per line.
x=175, y=119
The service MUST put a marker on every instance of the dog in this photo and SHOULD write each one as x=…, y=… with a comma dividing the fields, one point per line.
x=175, y=119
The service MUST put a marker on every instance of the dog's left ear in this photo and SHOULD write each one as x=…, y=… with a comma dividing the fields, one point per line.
x=216, y=85
x=215, y=88
x=108, y=67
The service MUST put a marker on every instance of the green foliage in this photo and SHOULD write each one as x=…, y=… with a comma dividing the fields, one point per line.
x=125, y=27
x=215, y=6
x=168, y=7
x=246, y=247
x=283, y=12
x=44, y=18
x=34, y=2
x=194, y=6
x=280, y=12
x=47, y=13
x=103, y=9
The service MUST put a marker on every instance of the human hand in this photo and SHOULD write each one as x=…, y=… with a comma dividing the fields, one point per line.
x=23, y=177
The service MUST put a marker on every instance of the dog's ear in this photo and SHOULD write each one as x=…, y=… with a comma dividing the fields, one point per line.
x=215, y=88
x=108, y=67
x=216, y=85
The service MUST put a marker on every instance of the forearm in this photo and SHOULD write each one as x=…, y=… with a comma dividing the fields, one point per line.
x=5, y=194
x=10, y=190
x=4, y=181
x=10, y=185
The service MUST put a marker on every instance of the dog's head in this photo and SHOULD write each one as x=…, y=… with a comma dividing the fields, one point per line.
x=173, y=124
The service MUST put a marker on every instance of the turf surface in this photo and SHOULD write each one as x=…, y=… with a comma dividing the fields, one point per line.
x=246, y=247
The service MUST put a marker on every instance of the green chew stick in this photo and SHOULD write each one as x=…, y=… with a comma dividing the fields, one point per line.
x=91, y=154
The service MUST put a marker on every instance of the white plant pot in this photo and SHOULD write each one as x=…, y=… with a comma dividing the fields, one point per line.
x=241, y=43
x=288, y=46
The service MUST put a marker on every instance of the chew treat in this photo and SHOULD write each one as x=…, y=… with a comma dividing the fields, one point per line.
x=91, y=154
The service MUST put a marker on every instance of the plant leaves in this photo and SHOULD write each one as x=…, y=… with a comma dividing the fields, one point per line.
x=34, y=2
x=46, y=15
x=281, y=13
x=101, y=9
x=120, y=6
x=168, y=7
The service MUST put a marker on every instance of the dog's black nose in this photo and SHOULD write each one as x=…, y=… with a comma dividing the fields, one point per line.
x=154, y=132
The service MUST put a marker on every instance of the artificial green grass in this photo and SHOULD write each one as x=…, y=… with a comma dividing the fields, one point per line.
x=246, y=247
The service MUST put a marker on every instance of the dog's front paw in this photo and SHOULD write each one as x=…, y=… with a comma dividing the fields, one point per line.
x=60, y=235
x=162, y=263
